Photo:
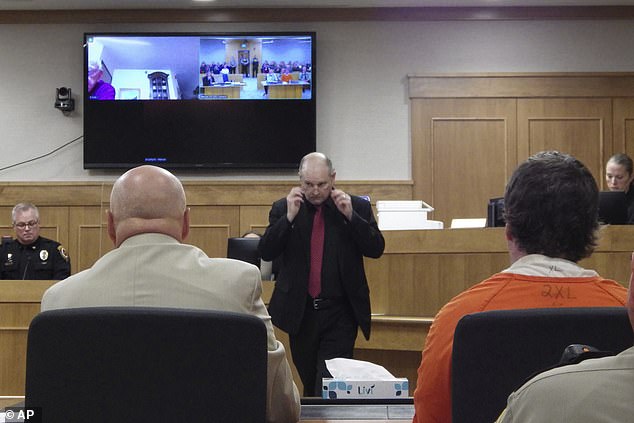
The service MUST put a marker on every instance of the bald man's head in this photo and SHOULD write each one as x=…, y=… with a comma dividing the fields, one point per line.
x=315, y=159
x=147, y=199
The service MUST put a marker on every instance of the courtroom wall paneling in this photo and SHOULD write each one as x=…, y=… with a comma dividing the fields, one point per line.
x=463, y=151
x=88, y=236
x=14, y=323
x=420, y=284
x=588, y=115
x=13, y=371
x=611, y=265
x=623, y=129
x=19, y=303
x=522, y=85
x=379, y=281
x=211, y=226
x=54, y=193
x=580, y=127
x=254, y=218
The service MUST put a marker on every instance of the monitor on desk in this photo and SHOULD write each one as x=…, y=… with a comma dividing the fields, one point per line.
x=495, y=212
x=612, y=207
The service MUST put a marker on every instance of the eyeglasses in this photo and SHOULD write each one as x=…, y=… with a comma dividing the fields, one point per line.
x=23, y=225
x=306, y=186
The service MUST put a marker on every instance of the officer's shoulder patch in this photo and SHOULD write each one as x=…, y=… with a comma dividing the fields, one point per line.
x=62, y=252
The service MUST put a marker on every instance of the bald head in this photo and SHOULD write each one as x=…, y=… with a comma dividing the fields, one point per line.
x=147, y=199
x=314, y=160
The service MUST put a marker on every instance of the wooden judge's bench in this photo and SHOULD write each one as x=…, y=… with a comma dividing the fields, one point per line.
x=418, y=273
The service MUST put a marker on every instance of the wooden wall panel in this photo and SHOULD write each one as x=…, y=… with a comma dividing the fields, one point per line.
x=92, y=243
x=88, y=237
x=212, y=239
x=19, y=302
x=13, y=363
x=623, y=124
x=254, y=218
x=588, y=115
x=463, y=151
x=579, y=127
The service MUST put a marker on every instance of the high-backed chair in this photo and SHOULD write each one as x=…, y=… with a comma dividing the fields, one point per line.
x=245, y=249
x=135, y=364
x=495, y=352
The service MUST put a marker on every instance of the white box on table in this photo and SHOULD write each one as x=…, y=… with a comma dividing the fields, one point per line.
x=405, y=215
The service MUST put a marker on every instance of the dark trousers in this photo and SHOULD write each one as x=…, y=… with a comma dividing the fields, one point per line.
x=323, y=334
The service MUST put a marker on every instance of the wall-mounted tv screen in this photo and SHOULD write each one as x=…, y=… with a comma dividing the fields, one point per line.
x=193, y=100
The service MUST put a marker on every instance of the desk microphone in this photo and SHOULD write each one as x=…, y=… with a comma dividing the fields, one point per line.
x=28, y=261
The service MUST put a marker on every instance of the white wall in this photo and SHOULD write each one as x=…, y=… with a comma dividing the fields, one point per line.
x=362, y=107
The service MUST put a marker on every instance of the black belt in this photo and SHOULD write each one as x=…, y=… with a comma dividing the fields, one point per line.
x=324, y=303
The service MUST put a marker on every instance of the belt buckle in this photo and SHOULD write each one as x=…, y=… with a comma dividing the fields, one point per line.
x=316, y=302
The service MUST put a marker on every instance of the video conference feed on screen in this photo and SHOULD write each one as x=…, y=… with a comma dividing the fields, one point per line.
x=202, y=67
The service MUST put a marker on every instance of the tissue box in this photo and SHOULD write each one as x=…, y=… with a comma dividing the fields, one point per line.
x=339, y=388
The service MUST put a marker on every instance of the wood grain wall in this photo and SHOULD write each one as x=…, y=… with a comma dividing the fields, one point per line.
x=470, y=131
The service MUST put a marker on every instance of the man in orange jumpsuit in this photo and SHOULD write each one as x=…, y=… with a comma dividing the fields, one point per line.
x=551, y=207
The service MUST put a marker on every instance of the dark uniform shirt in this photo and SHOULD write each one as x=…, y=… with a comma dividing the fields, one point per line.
x=43, y=259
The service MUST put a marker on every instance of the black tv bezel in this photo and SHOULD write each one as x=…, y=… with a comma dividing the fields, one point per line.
x=310, y=104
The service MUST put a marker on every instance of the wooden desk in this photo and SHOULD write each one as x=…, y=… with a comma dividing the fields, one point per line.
x=8, y=401
x=282, y=90
x=222, y=91
x=19, y=303
x=418, y=273
x=360, y=413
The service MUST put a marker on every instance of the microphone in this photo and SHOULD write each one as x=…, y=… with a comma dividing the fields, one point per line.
x=28, y=261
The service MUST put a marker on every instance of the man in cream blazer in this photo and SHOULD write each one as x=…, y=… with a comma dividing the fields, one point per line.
x=150, y=266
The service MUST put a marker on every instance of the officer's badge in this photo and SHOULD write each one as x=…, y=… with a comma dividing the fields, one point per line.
x=62, y=252
x=9, y=261
x=43, y=255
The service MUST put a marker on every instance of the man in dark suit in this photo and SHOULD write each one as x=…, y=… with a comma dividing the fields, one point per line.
x=208, y=79
x=320, y=235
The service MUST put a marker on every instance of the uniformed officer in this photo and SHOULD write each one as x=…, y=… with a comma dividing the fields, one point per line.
x=31, y=256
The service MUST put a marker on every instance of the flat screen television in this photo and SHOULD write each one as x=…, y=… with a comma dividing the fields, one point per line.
x=199, y=100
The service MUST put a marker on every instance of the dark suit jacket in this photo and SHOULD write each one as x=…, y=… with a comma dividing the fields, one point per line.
x=349, y=242
x=207, y=81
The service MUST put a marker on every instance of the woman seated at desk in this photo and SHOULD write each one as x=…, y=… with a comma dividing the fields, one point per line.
x=619, y=174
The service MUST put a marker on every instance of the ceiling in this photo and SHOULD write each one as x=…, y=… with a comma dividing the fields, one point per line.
x=193, y=4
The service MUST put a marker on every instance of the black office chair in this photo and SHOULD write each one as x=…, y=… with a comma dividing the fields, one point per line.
x=245, y=249
x=136, y=364
x=495, y=352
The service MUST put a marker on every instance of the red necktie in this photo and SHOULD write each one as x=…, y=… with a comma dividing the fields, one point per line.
x=316, y=253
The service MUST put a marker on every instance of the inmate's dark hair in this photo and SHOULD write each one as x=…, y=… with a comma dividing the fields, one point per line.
x=551, y=206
